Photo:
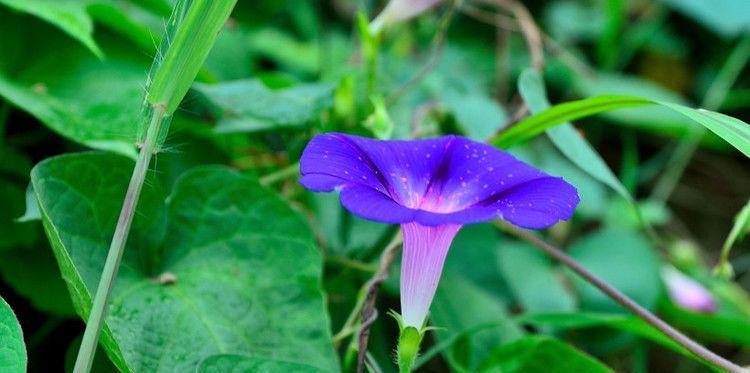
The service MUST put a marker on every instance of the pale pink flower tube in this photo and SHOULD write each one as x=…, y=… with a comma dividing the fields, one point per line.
x=425, y=249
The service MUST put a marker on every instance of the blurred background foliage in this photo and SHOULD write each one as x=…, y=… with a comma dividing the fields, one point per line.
x=72, y=75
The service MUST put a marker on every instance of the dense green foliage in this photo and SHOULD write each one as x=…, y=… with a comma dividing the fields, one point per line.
x=231, y=266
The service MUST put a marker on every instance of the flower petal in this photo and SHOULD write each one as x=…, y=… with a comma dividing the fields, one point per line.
x=373, y=205
x=445, y=180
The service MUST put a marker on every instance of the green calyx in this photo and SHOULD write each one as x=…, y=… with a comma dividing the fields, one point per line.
x=408, y=343
x=408, y=347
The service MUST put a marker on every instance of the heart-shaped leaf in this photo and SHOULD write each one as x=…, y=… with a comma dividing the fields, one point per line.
x=12, y=348
x=221, y=265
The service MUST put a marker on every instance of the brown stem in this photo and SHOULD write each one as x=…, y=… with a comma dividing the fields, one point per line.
x=625, y=301
x=369, y=313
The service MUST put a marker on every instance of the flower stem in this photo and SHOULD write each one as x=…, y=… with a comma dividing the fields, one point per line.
x=101, y=299
x=625, y=301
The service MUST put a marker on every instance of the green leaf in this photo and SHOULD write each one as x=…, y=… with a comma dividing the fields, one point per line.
x=68, y=15
x=87, y=100
x=566, y=138
x=248, y=105
x=541, y=354
x=579, y=321
x=455, y=297
x=12, y=349
x=653, y=119
x=732, y=130
x=244, y=364
x=478, y=115
x=221, y=265
x=533, y=279
x=728, y=18
x=34, y=274
x=623, y=259
x=562, y=113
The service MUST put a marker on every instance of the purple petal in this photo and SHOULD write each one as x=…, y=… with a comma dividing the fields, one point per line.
x=373, y=205
x=445, y=180
x=425, y=249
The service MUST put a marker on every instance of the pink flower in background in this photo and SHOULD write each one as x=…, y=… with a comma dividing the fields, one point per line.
x=688, y=293
x=399, y=10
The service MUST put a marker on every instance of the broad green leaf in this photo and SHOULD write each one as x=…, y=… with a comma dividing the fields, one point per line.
x=566, y=138
x=76, y=17
x=578, y=321
x=33, y=273
x=68, y=15
x=732, y=130
x=541, y=354
x=246, y=364
x=728, y=18
x=12, y=348
x=625, y=260
x=248, y=105
x=533, y=279
x=221, y=265
x=90, y=101
x=460, y=306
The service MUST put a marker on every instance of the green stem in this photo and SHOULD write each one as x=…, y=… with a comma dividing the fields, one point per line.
x=101, y=299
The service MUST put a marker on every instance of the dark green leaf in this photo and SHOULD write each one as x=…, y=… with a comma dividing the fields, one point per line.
x=222, y=265
x=533, y=279
x=541, y=354
x=460, y=306
x=248, y=364
x=12, y=348
x=68, y=15
x=93, y=102
x=625, y=260
x=248, y=105
x=34, y=274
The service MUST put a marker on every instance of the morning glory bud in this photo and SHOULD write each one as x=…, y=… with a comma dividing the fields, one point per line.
x=431, y=187
x=686, y=292
x=400, y=10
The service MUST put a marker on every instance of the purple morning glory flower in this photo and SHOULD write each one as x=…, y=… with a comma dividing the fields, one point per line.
x=432, y=187
x=688, y=293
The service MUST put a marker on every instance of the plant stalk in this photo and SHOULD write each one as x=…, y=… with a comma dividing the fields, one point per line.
x=101, y=299
x=644, y=314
